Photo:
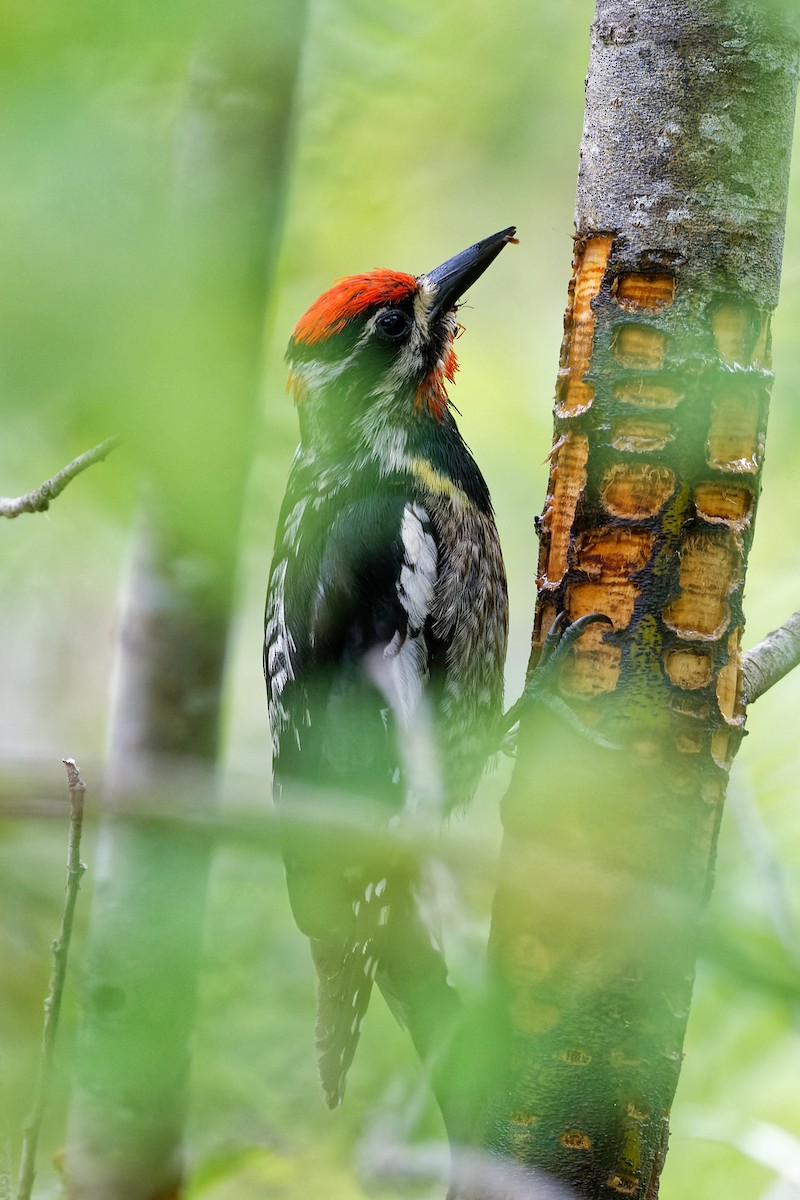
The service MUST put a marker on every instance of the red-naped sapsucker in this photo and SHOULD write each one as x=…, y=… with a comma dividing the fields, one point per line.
x=386, y=626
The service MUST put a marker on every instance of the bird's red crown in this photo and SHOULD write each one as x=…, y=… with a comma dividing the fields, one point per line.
x=348, y=298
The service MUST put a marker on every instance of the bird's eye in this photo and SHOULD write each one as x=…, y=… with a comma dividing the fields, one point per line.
x=393, y=323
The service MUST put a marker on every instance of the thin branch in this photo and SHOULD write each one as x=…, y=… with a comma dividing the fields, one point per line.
x=52, y=1005
x=39, y=499
x=771, y=659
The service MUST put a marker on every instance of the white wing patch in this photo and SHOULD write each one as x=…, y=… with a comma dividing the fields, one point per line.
x=400, y=670
x=403, y=670
x=279, y=647
x=419, y=572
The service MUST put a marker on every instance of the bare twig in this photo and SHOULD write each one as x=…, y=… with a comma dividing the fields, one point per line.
x=52, y=1004
x=771, y=659
x=39, y=499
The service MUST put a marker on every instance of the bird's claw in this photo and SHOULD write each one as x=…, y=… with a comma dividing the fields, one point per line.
x=561, y=636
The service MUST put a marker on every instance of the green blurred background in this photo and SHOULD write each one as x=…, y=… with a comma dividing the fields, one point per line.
x=418, y=129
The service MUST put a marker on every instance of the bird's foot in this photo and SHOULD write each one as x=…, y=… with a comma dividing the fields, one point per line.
x=540, y=685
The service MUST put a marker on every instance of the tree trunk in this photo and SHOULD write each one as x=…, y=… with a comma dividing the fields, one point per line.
x=129, y=1102
x=660, y=425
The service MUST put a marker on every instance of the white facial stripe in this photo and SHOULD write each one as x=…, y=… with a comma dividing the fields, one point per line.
x=385, y=441
x=316, y=374
x=407, y=366
x=423, y=303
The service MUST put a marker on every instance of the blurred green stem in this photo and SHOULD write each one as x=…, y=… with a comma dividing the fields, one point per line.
x=199, y=343
x=52, y=1004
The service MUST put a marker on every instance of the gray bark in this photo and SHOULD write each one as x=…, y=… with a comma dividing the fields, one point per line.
x=688, y=134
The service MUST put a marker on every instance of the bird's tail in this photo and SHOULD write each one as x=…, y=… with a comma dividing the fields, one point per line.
x=345, y=975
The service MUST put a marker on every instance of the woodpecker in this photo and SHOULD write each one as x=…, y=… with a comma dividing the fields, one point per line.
x=386, y=626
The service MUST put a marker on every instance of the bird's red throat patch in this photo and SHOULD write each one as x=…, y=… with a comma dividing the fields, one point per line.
x=432, y=392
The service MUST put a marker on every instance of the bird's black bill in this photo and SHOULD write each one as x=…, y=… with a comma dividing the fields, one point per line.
x=455, y=276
